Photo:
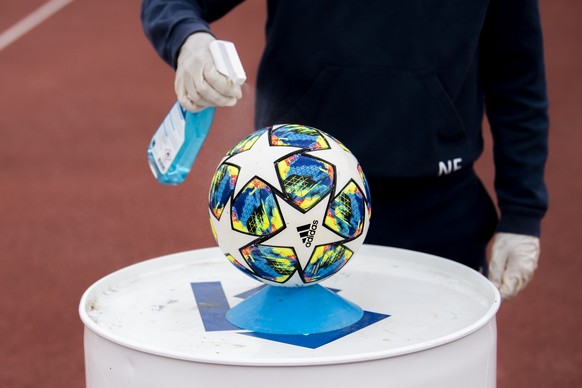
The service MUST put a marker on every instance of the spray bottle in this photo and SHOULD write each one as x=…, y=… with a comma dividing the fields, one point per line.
x=177, y=141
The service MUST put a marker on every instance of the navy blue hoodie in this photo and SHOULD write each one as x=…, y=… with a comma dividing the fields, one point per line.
x=403, y=84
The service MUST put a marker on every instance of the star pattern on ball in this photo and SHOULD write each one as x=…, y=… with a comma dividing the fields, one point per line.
x=223, y=226
x=263, y=154
x=344, y=161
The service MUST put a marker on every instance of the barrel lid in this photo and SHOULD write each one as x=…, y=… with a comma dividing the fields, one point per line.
x=174, y=306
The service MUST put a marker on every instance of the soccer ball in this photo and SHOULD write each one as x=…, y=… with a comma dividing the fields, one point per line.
x=289, y=205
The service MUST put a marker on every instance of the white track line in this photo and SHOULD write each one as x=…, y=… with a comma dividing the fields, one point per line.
x=33, y=19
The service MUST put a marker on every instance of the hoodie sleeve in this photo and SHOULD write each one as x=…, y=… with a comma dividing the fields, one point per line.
x=167, y=23
x=513, y=79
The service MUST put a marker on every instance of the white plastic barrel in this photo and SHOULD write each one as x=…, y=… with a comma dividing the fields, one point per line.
x=429, y=322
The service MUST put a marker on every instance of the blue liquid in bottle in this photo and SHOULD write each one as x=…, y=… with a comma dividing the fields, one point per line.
x=176, y=143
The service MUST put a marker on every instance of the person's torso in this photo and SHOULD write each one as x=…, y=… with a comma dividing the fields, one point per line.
x=397, y=82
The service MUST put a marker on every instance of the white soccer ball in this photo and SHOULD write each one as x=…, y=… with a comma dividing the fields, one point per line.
x=289, y=205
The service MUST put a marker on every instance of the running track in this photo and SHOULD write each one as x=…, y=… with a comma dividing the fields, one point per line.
x=80, y=96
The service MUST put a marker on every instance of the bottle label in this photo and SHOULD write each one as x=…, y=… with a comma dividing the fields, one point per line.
x=169, y=138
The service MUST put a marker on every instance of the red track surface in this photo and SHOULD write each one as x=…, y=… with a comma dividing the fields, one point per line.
x=80, y=97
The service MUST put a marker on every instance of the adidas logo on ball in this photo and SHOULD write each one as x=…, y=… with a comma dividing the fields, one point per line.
x=307, y=233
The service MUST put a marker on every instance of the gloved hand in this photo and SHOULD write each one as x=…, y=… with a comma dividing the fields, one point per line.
x=198, y=84
x=514, y=258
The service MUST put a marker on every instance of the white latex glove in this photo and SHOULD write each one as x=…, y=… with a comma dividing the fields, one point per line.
x=514, y=258
x=198, y=84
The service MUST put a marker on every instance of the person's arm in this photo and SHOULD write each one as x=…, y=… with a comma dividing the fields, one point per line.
x=179, y=31
x=513, y=79
x=167, y=24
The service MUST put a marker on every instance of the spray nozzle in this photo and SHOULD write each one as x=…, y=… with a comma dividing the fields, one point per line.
x=227, y=61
